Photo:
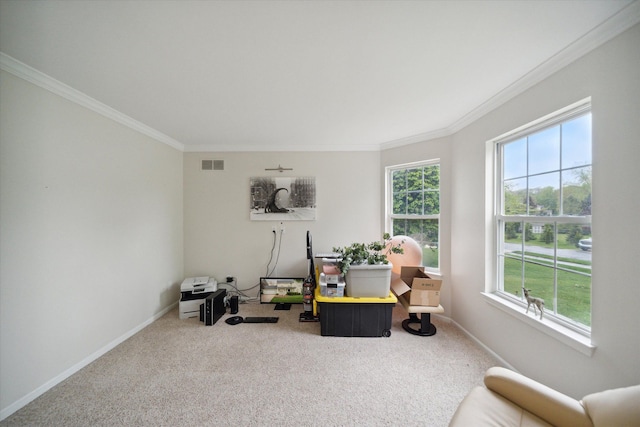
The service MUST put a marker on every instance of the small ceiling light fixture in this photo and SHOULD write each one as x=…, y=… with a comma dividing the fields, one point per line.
x=279, y=169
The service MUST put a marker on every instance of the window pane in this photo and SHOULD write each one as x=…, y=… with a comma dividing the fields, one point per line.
x=512, y=263
x=515, y=197
x=414, y=179
x=544, y=151
x=399, y=179
x=515, y=159
x=414, y=203
x=574, y=272
x=569, y=237
x=539, y=273
x=539, y=280
x=576, y=142
x=400, y=203
x=432, y=177
x=432, y=203
x=547, y=200
x=574, y=296
x=576, y=191
x=423, y=231
x=512, y=275
x=544, y=194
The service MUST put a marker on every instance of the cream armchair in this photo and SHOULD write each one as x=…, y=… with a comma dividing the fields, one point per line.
x=511, y=399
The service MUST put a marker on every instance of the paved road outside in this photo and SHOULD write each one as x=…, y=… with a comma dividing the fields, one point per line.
x=562, y=253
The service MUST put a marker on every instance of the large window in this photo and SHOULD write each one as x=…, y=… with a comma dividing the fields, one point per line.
x=543, y=215
x=413, y=206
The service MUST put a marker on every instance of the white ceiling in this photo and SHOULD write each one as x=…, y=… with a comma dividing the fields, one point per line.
x=304, y=75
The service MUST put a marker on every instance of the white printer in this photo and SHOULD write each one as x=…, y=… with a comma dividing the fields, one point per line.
x=193, y=292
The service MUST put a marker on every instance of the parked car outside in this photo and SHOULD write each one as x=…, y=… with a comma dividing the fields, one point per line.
x=585, y=244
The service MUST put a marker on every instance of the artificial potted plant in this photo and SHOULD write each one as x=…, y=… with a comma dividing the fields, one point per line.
x=366, y=267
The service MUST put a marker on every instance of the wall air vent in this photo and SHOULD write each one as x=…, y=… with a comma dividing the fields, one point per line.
x=212, y=165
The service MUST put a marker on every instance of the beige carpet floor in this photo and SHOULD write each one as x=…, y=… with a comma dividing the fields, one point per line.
x=182, y=373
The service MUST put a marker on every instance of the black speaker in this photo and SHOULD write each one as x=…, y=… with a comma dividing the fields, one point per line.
x=234, y=304
x=213, y=307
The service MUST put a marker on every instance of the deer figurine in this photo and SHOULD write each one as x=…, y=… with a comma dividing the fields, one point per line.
x=537, y=302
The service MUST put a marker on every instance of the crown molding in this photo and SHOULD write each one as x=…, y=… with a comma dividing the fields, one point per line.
x=38, y=78
x=273, y=148
x=421, y=137
x=617, y=24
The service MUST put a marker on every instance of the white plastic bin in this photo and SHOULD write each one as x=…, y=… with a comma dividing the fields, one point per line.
x=369, y=280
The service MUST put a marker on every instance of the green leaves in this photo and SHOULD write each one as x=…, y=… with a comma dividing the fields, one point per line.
x=367, y=253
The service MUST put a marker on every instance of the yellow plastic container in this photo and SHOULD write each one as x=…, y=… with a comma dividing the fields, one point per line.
x=354, y=316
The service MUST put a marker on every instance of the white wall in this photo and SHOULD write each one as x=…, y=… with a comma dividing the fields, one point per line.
x=91, y=225
x=221, y=240
x=610, y=76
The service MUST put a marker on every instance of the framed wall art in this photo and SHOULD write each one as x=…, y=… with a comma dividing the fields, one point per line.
x=282, y=198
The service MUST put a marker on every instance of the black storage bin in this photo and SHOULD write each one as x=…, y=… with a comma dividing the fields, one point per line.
x=355, y=319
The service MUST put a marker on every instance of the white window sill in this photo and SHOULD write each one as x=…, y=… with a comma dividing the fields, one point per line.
x=563, y=334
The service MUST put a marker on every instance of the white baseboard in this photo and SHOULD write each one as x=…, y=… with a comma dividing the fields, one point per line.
x=25, y=400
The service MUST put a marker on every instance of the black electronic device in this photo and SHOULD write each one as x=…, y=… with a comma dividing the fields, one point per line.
x=213, y=307
x=281, y=291
x=234, y=320
x=233, y=304
x=260, y=319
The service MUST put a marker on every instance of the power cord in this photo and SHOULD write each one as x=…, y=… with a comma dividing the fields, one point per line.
x=269, y=273
x=273, y=246
x=239, y=292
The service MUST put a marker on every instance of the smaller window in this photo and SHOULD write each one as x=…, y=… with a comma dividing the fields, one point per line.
x=413, y=206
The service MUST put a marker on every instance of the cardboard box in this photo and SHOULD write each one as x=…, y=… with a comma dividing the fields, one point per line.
x=422, y=289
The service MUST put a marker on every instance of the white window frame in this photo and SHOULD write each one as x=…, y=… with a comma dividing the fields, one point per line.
x=577, y=336
x=390, y=216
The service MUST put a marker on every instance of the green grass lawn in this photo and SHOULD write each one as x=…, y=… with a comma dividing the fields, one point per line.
x=574, y=289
